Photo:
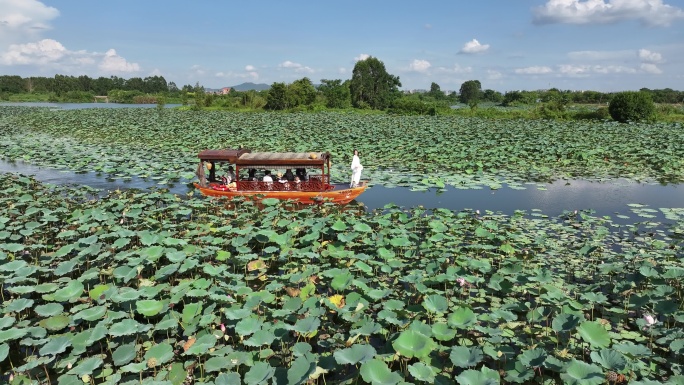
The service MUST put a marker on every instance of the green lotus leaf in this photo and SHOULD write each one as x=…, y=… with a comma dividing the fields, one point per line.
x=152, y=253
x=594, y=333
x=87, y=366
x=248, y=326
x=484, y=376
x=259, y=374
x=260, y=337
x=301, y=369
x=124, y=328
x=565, y=322
x=191, y=311
x=342, y=281
x=632, y=350
x=6, y=321
x=21, y=289
x=71, y=292
x=307, y=325
x=177, y=374
x=465, y=357
x=519, y=373
x=202, y=345
x=339, y=226
x=216, y=364
x=55, y=346
x=442, y=332
x=162, y=353
x=149, y=307
x=411, y=343
x=47, y=287
x=96, y=292
x=57, y=322
x=227, y=379
x=4, y=351
x=355, y=354
x=376, y=372
x=18, y=305
x=578, y=372
x=435, y=303
x=609, y=359
x=533, y=358
x=12, y=334
x=423, y=372
x=362, y=227
x=91, y=314
x=125, y=354
x=462, y=318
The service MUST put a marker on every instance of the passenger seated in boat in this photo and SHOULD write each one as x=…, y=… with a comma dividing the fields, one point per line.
x=267, y=176
x=229, y=176
x=301, y=173
x=251, y=175
x=289, y=175
x=297, y=183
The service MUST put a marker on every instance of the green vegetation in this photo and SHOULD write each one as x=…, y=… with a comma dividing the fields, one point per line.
x=146, y=286
x=632, y=107
x=371, y=86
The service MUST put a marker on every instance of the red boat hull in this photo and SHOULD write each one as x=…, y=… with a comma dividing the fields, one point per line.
x=338, y=194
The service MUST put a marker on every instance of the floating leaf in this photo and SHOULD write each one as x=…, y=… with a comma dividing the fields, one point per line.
x=376, y=372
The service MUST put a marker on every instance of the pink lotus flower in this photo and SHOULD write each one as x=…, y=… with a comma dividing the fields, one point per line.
x=461, y=281
x=649, y=319
x=223, y=328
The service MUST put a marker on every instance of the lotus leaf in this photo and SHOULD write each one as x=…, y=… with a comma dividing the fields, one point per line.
x=123, y=328
x=565, y=322
x=70, y=292
x=300, y=370
x=533, y=358
x=18, y=305
x=260, y=373
x=6, y=321
x=125, y=354
x=55, y=346
x=202, y=345
x=594, y=333
x=91, y=314
x=149, y=307
x=465, y=357
x=609, y=359
x=411, y=343
x=159, y=354
x=484, y=376
x=462, y=318
x=355, y=354
x=436, y=303
x=57, y=322
x=423, y=372
x=4, y=351
x=376, y=372
x=579, y=372
x=87, y=366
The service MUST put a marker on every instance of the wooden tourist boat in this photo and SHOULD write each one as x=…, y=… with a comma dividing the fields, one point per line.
x=314, y=186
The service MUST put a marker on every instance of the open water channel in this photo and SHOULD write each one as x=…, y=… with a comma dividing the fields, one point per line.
x=604, y=198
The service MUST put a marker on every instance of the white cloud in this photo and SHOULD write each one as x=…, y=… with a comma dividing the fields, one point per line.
x=649, y=56
x=493, y=75
x=534, y=70
x=23, y=20
x=112, y=62
x=474, y=46
x=296, y=67
x=586, y=70
x=648, y=12
x=49, y=54
x=420, y=65
x=455, y=70
x=361, y=57
x=601, y=55
x=250, y=68
x=651, y=68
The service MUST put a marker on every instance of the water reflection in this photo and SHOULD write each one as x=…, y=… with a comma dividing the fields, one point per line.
x=605, y=198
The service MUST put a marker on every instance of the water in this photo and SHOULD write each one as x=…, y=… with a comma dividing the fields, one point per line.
x=605, y=198
x=78, y=106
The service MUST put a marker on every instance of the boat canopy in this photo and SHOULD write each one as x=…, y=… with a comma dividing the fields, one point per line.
x=271, y=159
x=226, y=155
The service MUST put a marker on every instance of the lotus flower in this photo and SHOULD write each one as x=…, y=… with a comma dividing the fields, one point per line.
x=650, y=320
x=223, y=328
x=461, y=281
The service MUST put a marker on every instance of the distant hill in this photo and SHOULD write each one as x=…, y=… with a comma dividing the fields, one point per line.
x=251, y=86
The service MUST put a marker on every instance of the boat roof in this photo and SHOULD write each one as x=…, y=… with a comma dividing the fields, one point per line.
x=244, y=157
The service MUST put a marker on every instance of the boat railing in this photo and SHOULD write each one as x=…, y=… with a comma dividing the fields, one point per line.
x=312, y=184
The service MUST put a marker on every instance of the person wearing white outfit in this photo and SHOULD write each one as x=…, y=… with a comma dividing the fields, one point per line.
x=356, y=168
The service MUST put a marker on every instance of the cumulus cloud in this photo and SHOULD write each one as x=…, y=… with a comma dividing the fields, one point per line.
x=296, y=67
x=586, y=70
x=651, y=68
x=48, y=54
x=250, y=68
x=23, y=20
x=648, y=12
x=115, y=63
x=649, y=56
x=361, y=57
x=455, y=70
x=534, y=70
x=419, y=65
x=249, y=75
x=474, y=46
x=493, y=75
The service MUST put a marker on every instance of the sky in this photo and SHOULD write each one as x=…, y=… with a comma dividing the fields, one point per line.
x=600, y=45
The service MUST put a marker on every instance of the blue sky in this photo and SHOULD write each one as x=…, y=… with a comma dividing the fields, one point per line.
x=603, y=45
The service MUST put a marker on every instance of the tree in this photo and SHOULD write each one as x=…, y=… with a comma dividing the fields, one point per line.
x=336, y=93
x=371, y=85
x=436, y=91
x=492, y=96
x=632, y=106
x=301, y=93
x=471, y=93
x=276, y=99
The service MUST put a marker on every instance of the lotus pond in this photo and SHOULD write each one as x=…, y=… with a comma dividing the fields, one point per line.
x=157, y=288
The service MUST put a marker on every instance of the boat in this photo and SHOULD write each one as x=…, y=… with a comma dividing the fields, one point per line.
x=311, y=185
